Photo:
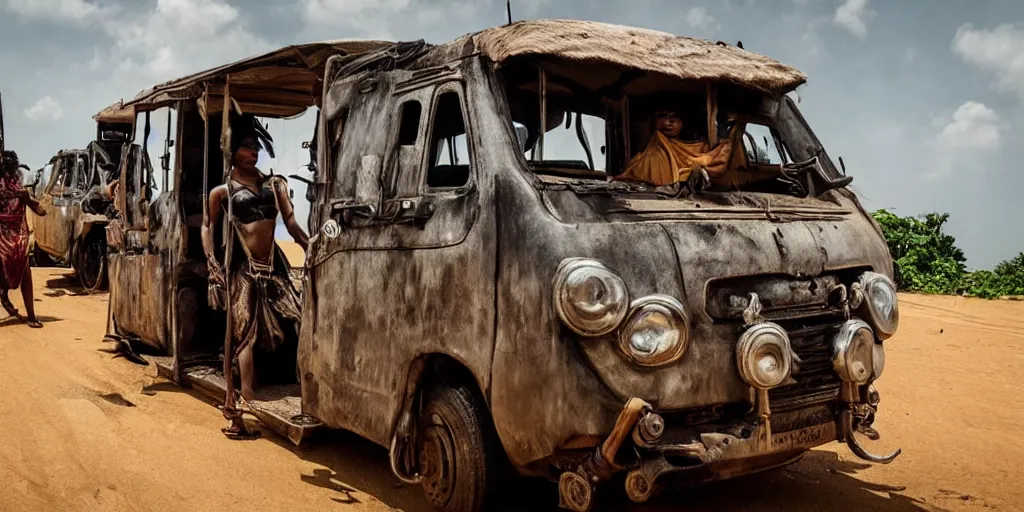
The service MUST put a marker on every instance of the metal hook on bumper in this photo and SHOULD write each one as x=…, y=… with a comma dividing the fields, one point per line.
x=846, y=421
x=576, y=488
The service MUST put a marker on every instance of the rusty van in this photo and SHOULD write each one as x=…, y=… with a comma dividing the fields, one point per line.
x=479, y=289
x=71, y=188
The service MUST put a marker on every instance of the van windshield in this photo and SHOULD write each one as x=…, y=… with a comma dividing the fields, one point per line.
x=647, y=132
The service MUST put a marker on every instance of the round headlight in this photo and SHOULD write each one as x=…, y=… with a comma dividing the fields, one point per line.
x=590, y=299
x=881, y=303
x=656, y=331
x=764, y=356
x=877, y=360
x=853, y=355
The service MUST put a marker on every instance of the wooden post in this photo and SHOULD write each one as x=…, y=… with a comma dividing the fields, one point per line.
x=206, y=150
x=229, y=239
x=543, y=111
x=627, y=155
x=712, y=115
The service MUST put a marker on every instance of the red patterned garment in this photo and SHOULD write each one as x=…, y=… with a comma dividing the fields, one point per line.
x=13, y=232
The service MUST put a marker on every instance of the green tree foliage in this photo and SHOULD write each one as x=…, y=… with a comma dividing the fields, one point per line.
x=928, y=260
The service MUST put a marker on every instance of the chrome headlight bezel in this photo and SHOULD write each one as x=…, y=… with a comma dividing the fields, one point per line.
x=577, y=272
x=877, y=287
x=674, y=312
x=853, y=355
x=766, y=339
x=877, y=361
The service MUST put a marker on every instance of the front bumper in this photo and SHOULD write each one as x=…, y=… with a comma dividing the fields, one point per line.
x=659, y=454
x=727, y=452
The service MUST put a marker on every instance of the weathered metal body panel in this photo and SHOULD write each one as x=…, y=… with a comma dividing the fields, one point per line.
x=484, y=279
x=378, y=297
x=54, y=232
x=676, y=257
x=138, y=299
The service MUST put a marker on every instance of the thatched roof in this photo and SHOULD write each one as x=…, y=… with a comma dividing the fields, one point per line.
x=647, y=50
x=284, y=82
x=280, y=83
x=116, y=113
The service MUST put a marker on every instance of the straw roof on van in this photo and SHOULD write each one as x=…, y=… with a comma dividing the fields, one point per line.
x=279, y=83
x=116, y=113
x=282, y=82
x=647, y=50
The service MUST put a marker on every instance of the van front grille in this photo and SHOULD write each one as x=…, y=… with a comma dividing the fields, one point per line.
x=816, y=381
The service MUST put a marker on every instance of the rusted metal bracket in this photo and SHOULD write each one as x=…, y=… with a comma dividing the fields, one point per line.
x=576, y=488
x=849, y=421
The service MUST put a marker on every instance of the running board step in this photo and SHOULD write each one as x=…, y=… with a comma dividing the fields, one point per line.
x=277, y=407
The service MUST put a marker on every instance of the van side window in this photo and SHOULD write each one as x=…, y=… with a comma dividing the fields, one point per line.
x=449, y=157
x=409, y=130
x=59, y=177
x=759, y=144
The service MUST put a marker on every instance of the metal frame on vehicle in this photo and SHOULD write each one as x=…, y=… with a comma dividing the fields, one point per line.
x=531, y=310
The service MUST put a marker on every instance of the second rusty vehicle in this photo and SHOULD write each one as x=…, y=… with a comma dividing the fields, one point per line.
x=72, y=188
x=472, y=297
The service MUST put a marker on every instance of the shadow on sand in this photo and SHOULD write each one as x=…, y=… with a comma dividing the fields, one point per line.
x=64, y=284
x=819, y=481
x=15, y=320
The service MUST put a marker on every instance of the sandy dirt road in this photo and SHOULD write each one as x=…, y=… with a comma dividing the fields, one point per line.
x=81, y=430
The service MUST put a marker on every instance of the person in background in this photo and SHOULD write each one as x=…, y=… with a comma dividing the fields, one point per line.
x=14, y=269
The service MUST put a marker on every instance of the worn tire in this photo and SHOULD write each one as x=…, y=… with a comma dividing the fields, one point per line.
x=39, y=258
x=458, y=459
x=91, y=274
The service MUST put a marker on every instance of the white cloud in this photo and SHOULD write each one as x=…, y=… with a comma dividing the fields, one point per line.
x=179, y=37
x=75, y=11
x=975, y=127
x=966, y=141
x=698, y=17
x=803, y=29
x=45, y=109
x=999, y=51
x=853, y=15
x=388, y=19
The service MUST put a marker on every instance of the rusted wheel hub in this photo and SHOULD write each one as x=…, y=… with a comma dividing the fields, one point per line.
x=437, y=461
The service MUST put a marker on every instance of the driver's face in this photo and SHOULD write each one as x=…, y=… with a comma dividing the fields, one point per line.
x=668, y=123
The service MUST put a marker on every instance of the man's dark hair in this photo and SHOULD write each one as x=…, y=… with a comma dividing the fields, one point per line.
x=10, y=161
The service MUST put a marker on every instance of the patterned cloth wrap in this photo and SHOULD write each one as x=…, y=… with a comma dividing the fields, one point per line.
x=13, y=232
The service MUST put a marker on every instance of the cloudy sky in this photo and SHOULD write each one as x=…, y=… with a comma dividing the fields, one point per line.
x=924, y=100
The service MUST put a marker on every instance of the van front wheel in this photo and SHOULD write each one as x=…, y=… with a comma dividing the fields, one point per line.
x=456, y=456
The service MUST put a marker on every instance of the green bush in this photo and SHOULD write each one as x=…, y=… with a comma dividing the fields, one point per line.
x=926, y=260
